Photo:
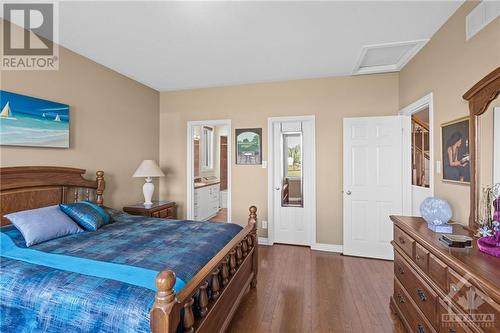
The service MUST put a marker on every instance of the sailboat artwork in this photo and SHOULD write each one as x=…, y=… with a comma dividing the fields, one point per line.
x=6, y=113
x=35, y=122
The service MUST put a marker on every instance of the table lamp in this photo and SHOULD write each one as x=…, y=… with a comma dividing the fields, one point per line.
x=148, y=169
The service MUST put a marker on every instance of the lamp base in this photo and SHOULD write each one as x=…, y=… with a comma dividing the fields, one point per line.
x=441, y=229
x=148, y=189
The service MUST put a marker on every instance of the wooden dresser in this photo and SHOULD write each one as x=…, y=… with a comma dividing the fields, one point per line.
x=438, y=289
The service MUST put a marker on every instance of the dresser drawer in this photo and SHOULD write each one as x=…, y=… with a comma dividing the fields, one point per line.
x=450, y=322
x=413, y=316
x=172, y=212
x=421, y=257
x=401, y=270
x=421, y=293
x=482, y=310
x=167, y=213
x=438, y=272
x=404, y=241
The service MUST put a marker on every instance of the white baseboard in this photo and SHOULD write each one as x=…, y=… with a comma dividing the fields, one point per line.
x=327, y=247
x=317, y=246
x=263, y=241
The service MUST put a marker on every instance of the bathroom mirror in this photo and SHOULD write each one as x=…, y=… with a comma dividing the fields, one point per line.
x=483, y=133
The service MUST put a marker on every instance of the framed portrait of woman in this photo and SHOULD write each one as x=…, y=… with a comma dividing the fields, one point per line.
x=455, y=150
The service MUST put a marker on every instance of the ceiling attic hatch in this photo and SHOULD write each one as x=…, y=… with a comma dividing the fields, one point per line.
x=390, y=57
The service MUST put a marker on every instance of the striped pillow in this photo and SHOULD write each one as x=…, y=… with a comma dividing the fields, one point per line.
x=86, y=214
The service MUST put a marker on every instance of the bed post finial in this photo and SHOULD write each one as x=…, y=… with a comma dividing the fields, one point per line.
x=160, y=319
x=252, y=218
x=101, y=184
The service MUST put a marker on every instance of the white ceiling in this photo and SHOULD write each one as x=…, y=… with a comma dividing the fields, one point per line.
x=182, y=45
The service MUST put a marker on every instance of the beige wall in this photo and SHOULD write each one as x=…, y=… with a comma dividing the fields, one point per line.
x=114, y=120
x=329, y=99
x=448, y=66
x=113, y=123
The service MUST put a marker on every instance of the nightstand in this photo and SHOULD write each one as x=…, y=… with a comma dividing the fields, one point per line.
x=162, y=209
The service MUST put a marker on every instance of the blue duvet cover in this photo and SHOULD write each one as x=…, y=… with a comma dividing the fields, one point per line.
x=37, y=298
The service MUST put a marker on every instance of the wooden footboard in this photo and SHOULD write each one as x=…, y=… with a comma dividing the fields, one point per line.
x=208, y=302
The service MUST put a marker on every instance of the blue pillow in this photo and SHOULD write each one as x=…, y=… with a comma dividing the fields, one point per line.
x=42, y=224
x=86, y=214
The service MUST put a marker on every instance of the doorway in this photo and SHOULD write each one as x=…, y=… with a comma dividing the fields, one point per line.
x=292, y=180
x=208, y=170
x=418, y=154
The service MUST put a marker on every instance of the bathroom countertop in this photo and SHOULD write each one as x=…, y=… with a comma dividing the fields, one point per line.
x=205, y=184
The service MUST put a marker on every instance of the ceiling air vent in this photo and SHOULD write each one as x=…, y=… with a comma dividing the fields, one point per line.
x=389, y=57
x=480, y=17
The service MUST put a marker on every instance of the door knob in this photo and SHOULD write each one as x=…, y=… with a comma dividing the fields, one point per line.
x=348, y=192
x=277, y=188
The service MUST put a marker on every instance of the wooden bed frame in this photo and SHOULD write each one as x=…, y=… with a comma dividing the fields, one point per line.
x=206, y=304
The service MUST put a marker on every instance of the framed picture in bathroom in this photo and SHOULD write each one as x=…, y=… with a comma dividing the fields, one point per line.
x=248, y=146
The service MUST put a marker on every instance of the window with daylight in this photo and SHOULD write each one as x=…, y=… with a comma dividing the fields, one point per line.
x=207, y=141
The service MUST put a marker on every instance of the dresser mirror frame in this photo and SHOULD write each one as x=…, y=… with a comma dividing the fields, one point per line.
x=479, y=97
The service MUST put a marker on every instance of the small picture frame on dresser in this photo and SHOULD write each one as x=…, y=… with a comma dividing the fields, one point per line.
x=458, y=241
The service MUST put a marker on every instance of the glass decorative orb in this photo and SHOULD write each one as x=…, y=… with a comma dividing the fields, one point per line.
x=435, y=211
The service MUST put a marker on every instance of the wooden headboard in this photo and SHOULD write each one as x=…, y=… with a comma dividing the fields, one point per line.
x=32, y=187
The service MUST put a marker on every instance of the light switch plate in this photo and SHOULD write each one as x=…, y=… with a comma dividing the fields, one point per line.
x=264, y=224
x=264, y=164
x=438, y=167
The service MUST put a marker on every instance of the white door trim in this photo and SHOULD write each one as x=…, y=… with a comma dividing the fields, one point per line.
x=189, y=166
x=425, y=102
x=270, y=169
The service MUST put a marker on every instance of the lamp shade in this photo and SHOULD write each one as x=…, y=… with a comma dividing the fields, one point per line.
x=148, y=168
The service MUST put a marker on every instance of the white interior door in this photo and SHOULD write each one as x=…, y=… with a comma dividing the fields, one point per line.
x=373, y=185
x=293, y=181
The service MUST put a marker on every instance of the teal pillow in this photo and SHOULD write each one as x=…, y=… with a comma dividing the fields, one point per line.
x=86, y=214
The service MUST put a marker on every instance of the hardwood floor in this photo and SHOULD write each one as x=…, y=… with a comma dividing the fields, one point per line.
x=300, y=290
x=221, y=216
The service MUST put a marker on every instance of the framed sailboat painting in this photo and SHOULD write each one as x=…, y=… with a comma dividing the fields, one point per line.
x=34, y=122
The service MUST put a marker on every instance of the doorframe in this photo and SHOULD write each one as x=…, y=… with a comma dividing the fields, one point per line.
x=270, y=174
x=189, y=165
x=425, y=102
